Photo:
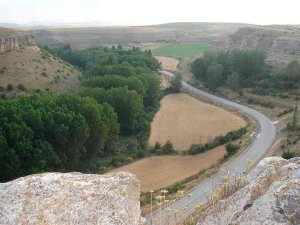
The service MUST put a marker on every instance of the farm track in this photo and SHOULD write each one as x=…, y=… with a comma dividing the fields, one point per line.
x=201, y=193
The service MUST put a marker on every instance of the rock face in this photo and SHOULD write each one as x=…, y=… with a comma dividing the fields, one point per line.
x=282, y=43
x=71, y=198
x=271, y=196
x=11, y=40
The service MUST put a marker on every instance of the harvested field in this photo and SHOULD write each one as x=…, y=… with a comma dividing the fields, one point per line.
x=185, y=121
x=162, y=171
x=168, y=63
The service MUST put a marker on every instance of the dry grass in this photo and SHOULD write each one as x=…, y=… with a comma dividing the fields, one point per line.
x=185, y=121
x=168, y=63
x=35, y=70
x=159, y=171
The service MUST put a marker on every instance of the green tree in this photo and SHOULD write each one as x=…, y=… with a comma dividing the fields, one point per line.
x=293, y=70
x=215, y=76
x=233, y=81
x=198, y=68
x=175, y=83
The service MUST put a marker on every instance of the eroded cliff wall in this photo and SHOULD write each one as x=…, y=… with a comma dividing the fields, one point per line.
x=13, y=40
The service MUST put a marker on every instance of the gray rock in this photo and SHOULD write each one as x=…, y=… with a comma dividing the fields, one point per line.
x=71, y=198
x=271, y=195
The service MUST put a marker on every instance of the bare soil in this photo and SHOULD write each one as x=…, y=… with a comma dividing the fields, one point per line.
x=168, y=63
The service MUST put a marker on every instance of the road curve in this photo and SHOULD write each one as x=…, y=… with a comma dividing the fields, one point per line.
x=201, y=192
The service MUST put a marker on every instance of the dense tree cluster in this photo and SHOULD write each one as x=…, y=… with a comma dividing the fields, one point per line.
x=244, y=69
x=234, y=68
x=45, y=132
x=49, y=132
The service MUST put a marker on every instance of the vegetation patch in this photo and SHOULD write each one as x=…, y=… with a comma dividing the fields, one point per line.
x=182, y=49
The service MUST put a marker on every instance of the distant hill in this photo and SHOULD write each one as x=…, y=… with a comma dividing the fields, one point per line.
x=23, y=63
x=85, y=37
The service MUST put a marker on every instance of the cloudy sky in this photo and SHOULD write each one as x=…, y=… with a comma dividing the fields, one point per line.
x=142, y=12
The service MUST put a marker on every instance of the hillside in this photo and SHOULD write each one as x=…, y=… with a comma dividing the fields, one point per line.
x=282, y=43
x=22, y=62
x=85, y=37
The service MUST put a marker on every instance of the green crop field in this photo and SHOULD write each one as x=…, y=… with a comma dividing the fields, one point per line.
x=182, y=50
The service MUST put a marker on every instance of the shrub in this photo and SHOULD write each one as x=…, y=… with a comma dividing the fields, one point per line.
x=217, y=141
x=289, y=155
x=176, y=187
x=21, y=87
x=168, y=148
x=10, y=87
x=231, y=149
x=3, y=96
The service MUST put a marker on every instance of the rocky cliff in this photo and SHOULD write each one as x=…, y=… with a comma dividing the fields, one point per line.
x=282, y=43
x=71, y=198
x=13, y=40
x=271, y=196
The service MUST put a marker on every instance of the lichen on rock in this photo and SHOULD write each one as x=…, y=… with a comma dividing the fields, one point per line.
x=71, y=198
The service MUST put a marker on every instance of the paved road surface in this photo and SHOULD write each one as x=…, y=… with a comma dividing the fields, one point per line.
x=255, y=152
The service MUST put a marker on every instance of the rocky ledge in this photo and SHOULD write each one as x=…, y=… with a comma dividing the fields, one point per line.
x=71, y=198
x=271, y=196
x=14, y=40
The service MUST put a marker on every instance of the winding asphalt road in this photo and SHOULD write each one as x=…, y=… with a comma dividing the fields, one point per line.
x=201, y=193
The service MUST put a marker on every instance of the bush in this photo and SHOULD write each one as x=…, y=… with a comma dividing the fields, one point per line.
x=231, y=149
x=21, y=87
x=168, y=149
x=176, y=187
x=10, y=87
x=289, y=155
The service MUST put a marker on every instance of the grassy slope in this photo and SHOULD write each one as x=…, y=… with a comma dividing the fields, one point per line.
x=182, y=49
x=37, y=70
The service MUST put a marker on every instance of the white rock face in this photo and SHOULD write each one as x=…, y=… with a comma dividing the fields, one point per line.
x=71, y=198
x=270, y=196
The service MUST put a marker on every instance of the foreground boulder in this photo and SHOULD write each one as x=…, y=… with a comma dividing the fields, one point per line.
x=71, y=198
x=271, y=196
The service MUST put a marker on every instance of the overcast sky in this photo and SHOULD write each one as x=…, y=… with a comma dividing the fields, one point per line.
x=143, y=12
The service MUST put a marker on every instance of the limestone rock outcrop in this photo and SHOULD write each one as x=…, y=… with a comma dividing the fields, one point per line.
x=71, y=198
x=282, y=43
x=13, y=40
x=271, y=196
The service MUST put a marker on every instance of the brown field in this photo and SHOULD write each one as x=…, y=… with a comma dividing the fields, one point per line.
x=36, y=70
x=185, y=121
x=162, y=171
x=168, y=63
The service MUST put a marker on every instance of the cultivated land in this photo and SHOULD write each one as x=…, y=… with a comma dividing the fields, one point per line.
x=162, y=171
x=184, y=121
x=168, y=63
x=182, y=49
x=37, y=70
